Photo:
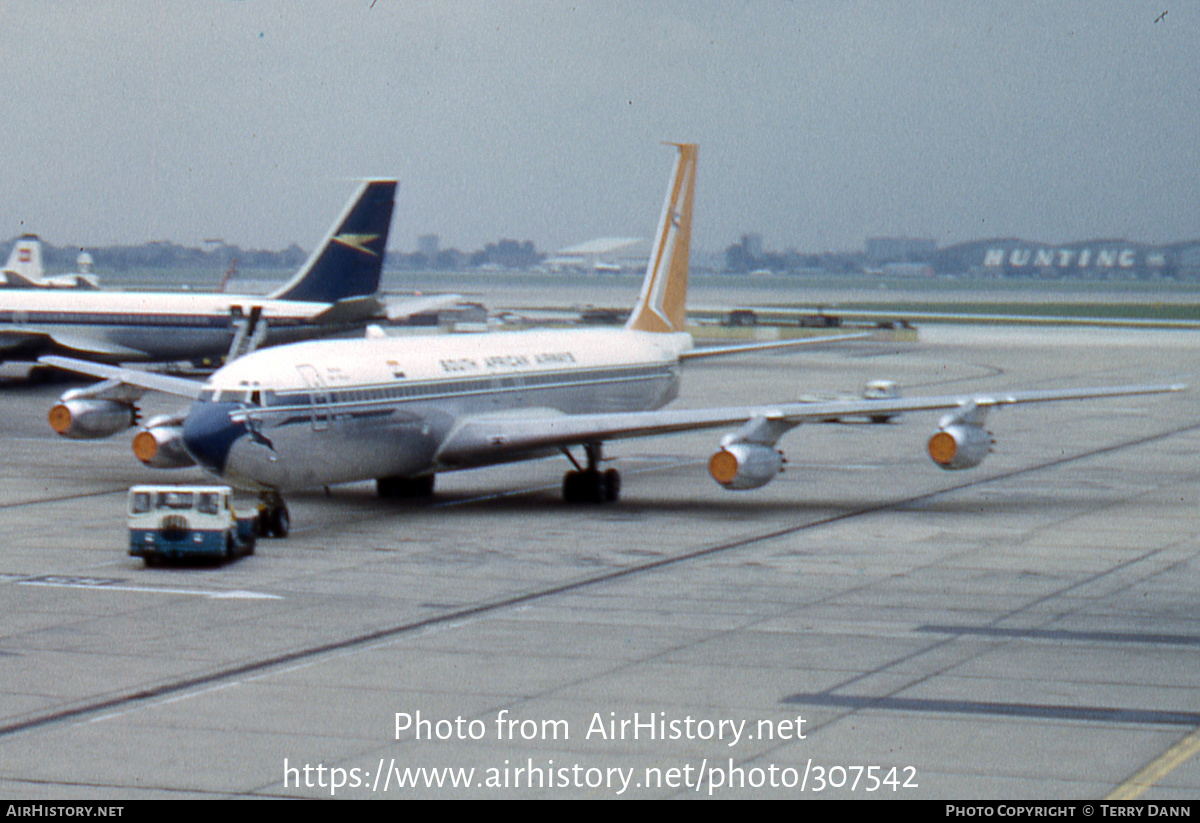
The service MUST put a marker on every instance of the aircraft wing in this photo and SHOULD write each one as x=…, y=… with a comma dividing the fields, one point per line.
x=495, y=437
x=17, y=338
x=744, y=348
x=150, y=381
x=895, y=314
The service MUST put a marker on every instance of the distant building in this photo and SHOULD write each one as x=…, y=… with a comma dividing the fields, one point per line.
x=906, y=270
x=1100, y=259
x=752, y=245
x=881, y=250
x=603, y=254
x=507, y=254
x=427, y=244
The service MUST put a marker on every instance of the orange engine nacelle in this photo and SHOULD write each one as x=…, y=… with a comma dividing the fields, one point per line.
x=739, y=466
x=161, y=447
x=960, y=446
x=86, y=419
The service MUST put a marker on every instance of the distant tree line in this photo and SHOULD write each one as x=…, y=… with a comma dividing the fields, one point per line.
x=165, y=255
x=509, y=254
x=739, y=259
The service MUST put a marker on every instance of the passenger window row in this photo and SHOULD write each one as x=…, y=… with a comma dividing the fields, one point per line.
x=435, y=389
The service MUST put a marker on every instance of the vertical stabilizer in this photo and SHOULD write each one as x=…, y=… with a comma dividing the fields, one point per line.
x=24, y=266
x=349, y=260
x=662, y=305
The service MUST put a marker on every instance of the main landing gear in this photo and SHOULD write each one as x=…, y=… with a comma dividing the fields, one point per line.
x=591, y=485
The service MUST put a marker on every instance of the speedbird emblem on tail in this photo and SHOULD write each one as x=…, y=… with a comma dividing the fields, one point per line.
x=402, y=410
x=358, y=242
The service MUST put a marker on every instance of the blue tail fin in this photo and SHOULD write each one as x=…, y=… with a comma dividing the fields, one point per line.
x=350, y=258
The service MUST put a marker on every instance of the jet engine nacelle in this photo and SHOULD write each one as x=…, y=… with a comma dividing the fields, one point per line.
x=960, y=446
x=161, y=447
x=739, y=466
x=91, y=419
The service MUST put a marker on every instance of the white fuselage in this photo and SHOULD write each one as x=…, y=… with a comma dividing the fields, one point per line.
x=330, y=412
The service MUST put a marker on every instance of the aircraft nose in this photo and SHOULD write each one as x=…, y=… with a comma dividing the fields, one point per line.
x=209, y=432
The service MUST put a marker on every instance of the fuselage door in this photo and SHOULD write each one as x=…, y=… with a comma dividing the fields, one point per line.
x=320, y=396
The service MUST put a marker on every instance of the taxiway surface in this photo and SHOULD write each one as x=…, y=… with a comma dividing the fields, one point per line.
x=866, y=625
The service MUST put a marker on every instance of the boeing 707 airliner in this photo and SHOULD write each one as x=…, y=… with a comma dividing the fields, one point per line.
x=401, y=410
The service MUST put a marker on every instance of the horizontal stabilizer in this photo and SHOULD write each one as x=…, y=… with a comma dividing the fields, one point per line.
x=16, y=280
x=349, y=310
x=401, y=309
x=78, y=280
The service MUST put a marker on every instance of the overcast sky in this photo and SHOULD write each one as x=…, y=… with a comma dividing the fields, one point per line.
x=819, y=123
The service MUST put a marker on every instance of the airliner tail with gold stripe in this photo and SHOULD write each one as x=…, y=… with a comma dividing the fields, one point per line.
x=662, y=304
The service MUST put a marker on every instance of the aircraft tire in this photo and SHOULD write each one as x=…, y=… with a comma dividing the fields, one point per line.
x=612, y=486
x=405, y=487
x=575, y=487
x=591, y=486
x=570, y=487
